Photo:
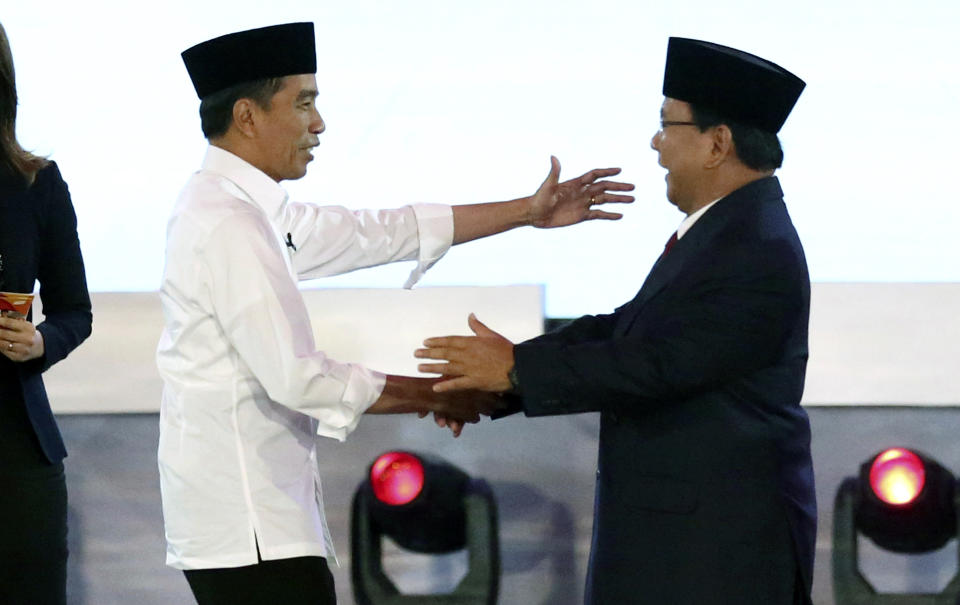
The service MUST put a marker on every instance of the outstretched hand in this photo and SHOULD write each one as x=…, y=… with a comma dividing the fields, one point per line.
x=557, y=204
x=480, y=362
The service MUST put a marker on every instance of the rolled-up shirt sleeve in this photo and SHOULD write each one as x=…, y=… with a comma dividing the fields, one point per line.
x=435, y=229
x=331, y=240
x=265, y=320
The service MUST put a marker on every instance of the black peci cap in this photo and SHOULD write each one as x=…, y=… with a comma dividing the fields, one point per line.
x=267, y=52
x=736, y=85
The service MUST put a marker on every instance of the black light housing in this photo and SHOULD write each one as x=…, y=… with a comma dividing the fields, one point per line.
x=425, y=505
x=918, y=514
x=905, y=502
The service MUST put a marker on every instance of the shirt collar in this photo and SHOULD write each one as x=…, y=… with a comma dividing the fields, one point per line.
x=691, y=219
x=258, y=187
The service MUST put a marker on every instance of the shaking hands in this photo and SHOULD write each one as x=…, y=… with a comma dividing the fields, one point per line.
x=473, y=372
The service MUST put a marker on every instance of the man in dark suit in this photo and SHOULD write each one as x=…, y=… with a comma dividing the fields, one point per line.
x=705, y=483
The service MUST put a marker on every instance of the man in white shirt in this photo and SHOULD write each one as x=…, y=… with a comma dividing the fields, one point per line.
x=245, y=390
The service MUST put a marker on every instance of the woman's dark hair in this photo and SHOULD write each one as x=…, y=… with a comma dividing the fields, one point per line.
x=756, y=148
x=14, y=160
x=216, y=109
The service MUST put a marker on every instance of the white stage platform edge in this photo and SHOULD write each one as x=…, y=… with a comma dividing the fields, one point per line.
x=870, y=343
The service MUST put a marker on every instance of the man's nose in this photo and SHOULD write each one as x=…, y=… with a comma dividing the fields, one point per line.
x=318, y=125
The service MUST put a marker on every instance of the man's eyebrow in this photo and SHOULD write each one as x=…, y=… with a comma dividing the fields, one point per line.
x=307, y=94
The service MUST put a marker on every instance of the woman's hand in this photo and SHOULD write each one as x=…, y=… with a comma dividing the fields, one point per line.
x=20, y=340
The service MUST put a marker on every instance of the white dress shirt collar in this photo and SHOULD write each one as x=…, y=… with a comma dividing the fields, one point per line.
x=693, y=218
x=253, y=182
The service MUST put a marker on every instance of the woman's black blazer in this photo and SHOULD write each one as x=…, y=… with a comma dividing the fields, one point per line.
x=39, y=242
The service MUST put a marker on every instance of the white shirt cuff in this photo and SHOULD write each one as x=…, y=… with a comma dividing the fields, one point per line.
x=435, y=227
x=364, y=387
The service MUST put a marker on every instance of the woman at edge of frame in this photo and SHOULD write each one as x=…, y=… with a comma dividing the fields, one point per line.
x=38, y=242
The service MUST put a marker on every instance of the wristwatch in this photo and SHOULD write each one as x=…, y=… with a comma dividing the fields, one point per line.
x=514, y=379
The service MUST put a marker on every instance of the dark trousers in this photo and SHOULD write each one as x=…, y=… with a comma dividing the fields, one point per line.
x=33, y=537
x=297, y=581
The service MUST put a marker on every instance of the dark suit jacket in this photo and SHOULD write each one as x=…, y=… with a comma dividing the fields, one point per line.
x=705, y=483
x=38, y=241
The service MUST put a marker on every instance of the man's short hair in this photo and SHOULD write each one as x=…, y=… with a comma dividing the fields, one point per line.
x=758, y=149
x=216, y=109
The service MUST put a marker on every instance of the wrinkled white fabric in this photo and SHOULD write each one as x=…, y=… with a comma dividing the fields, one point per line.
x=245, y=388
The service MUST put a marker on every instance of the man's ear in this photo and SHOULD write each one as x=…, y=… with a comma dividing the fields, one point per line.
x=245, y=117
x=721, y=146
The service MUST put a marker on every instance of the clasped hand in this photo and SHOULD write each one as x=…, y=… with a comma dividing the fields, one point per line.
x=476, y=364
x=455, y=409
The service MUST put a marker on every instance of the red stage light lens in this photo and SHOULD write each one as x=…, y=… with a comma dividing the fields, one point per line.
x=897, y=476
x=397, y=478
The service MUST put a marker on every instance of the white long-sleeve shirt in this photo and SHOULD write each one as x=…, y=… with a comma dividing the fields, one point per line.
x=245, y=388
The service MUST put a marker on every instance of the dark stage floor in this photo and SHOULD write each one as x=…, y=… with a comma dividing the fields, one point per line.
x=541, y=472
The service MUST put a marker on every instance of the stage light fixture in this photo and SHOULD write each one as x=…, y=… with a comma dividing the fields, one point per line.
x=897, y=476
x=425, y=505
x=396, y=478
x=906, y=503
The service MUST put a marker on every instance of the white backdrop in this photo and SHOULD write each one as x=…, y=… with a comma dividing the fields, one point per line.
x=465, y=101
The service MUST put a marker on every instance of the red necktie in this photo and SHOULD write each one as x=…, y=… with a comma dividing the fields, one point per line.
x=669, y=244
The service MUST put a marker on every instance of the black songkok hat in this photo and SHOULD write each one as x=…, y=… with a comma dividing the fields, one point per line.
x=736, y=85
x=268, y=52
